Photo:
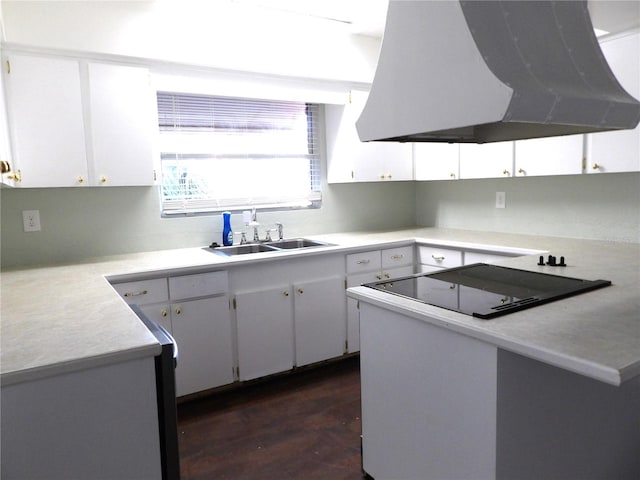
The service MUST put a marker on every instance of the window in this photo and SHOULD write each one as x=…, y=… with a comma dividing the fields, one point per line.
x=224, y=153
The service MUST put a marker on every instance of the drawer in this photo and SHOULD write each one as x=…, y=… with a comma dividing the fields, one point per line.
x=198, y=285
x=397, y=257
x=362, y=278
x=398, y=272
x=143, y=292
x=364, y=262
x=482, y=257
x=439, y=257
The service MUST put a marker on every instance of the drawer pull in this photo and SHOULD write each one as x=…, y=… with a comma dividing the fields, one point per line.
x=397, y=257
x=286, y=293
x=438, y=258
x=164, y=312
x=178, y=310
x=300, y=291
x=365, y=261
x=136, y=294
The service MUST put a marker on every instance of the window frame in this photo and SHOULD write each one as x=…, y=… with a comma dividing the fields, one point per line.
x=214, y=205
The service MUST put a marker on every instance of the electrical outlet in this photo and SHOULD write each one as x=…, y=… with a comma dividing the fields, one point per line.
x=501, y=199
x=31, y=220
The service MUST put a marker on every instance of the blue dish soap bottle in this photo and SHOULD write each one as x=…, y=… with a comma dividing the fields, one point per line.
x=227, y=233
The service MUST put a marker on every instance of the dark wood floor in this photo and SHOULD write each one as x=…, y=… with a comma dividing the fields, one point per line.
x=301, y=426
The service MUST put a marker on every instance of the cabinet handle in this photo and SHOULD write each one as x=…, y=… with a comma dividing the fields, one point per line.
x=8, y=67
x=521, y=171
x=595, y=166
x=80, y=179
x=16, y=176
x=438, y=258
x=452, y=175
x=103, y=179
x=286, y=293
x=452, y=286
x=136, y=294
x=505, y=172
x=5, y=167
x=386, y=275
x=300, y=291
x=164, y=312
x=178, y=310
x=379, y=277
x=397, y=257
x=362, y=262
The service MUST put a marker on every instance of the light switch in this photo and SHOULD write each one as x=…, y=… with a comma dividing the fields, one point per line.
x=501, y=199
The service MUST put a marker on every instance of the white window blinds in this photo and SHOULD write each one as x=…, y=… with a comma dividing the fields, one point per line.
x=224, y=153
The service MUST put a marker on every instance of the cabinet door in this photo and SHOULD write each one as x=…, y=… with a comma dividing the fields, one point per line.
x=436, y=161
x=618, y=151
x=490, y=160
x=549, y=156
x=202, y=329
x=350, y=160
x=7, y=177
x=265, y=332
x=159, y=313
x=320, y=320
x=123, y=124
x=46, y=122
x=353, y=316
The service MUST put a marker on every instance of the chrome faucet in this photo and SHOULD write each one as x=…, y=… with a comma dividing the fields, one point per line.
x=254, y=223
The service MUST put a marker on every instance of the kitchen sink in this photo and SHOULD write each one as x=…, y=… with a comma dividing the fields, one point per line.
x=296, y=243
x=244, y=249
x=275, y=246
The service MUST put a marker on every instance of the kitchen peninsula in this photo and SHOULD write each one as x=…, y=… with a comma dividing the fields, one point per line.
x=550, y=392
x=64, y=320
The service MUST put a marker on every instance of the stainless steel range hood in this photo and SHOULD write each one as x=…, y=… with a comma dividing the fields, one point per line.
x=486, y=71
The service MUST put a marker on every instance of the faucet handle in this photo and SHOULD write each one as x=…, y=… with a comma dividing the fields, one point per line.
x=280, y=231
x=268, y=237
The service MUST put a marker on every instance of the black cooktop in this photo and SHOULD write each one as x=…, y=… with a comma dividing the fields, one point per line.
x=486, y=291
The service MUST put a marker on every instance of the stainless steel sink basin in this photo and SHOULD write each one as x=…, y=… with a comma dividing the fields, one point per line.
x=289, y=244
x=244, y=249
x=275, y=246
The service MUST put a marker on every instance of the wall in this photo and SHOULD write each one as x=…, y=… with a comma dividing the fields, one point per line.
x=602, y=207
x=79, y=223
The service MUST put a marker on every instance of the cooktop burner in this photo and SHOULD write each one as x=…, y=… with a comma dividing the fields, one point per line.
x=486, y=291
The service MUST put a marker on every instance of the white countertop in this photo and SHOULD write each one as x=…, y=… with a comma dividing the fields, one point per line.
x=62, y=318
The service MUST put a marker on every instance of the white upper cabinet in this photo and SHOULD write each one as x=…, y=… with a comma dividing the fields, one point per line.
x=488, y=160
x=74, y=123
x=44, y=107
x=350, y=160
x=123, y=124
x=436, y=161
x=549, y=156
x=7, y=177
x=618, y=151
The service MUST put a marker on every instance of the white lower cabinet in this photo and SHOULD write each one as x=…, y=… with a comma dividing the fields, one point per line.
x=319, y=314
x=368, y=267
x=299, y=321
x=201, y=327
x=265, y=332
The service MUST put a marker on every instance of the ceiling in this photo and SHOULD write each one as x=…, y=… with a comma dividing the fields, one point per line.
x=367, y=17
